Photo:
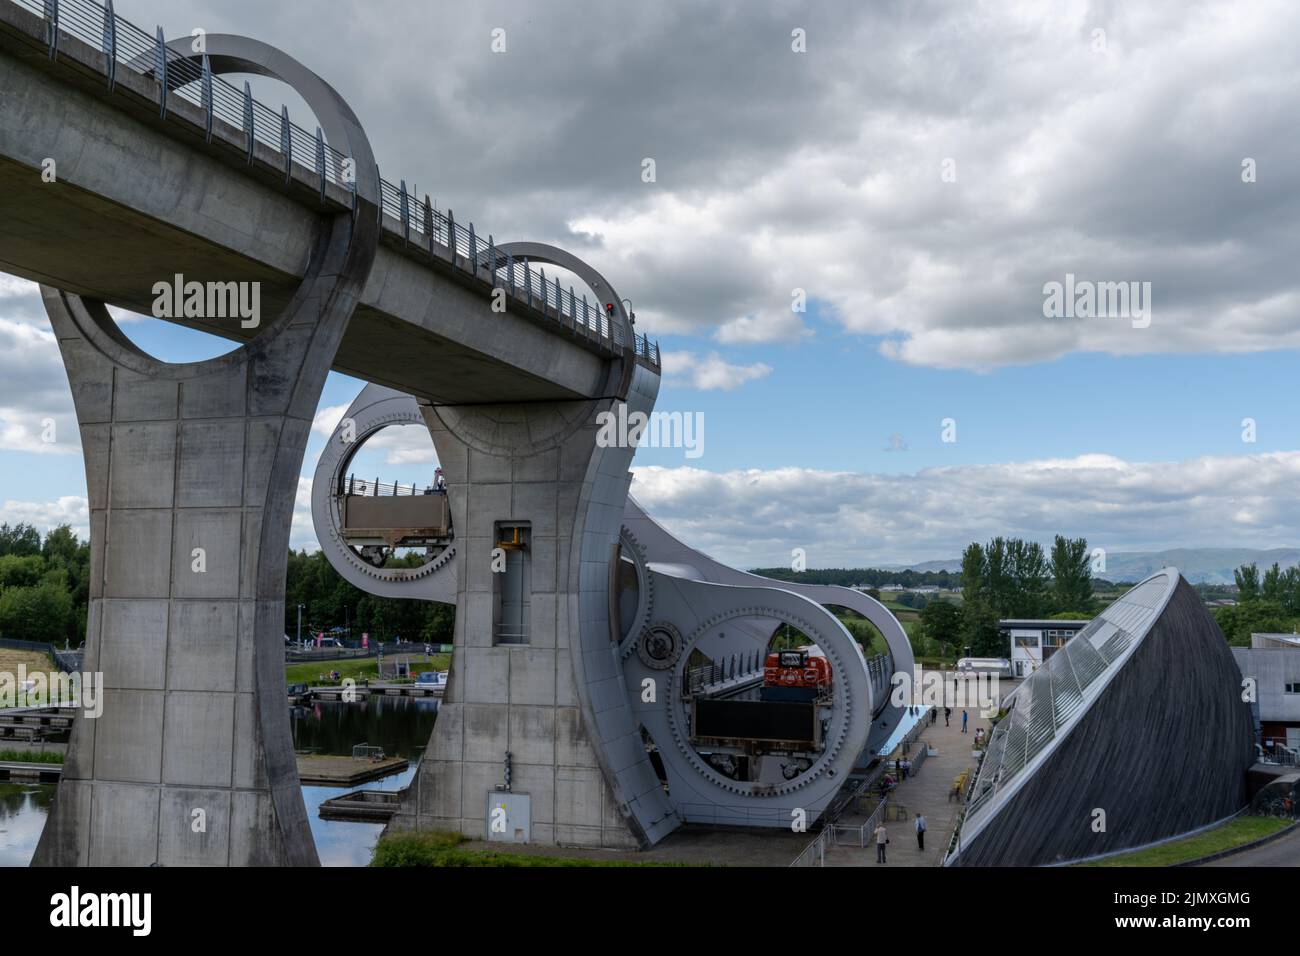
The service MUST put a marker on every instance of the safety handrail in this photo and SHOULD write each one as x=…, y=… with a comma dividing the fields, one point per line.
x=374, y=488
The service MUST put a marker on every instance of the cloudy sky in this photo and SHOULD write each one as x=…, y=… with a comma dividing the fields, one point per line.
x=917, y=175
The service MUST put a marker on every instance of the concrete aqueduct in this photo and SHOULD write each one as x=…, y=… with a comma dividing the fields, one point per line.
x=164, y=169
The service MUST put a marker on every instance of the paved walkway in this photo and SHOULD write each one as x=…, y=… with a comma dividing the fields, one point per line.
x=927, y=792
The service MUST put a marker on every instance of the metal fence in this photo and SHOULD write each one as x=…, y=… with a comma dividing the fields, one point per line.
x=380, y=489
x=841, y=834
x=814, y=854
x=325, y=654
x=914, y=734
x=737, y=666
x=68, y=661
x=859, y=835
x=1276, y=752
x=234, y=115
x=921, y=753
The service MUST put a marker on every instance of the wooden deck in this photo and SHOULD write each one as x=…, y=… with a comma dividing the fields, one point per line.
x=322, y=771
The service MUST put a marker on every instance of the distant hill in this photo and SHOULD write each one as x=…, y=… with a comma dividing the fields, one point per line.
x=1198, y=565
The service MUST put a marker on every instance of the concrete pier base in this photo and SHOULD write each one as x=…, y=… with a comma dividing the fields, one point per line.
x=551, y=696
x=192, y=472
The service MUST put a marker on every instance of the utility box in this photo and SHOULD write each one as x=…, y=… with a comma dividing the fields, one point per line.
x=509, y=817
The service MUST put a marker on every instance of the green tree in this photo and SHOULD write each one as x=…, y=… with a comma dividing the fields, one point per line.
x=974, y=575
x=1071, y=574
x=1247, y=583
x=61, y=546
x=1290, y=589
x=1271, y=588
x=35, y=614
x=1239, y=621
x=980, y=592
x=1028, y=574
x=21, y=539
x=943, y=623
x=21, y=571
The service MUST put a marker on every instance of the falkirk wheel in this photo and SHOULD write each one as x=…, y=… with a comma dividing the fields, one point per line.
x=689, y=638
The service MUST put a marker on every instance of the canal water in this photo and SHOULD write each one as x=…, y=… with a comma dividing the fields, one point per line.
x=400, y=725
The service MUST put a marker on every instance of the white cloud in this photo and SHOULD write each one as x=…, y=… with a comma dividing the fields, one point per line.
x=43, y=515
x=1067, y=161
x=327, y=419
x=394, y=445
x=302, y=533
x=709, y=372
x=404, y=445
x=753, y=518
x=34, y=392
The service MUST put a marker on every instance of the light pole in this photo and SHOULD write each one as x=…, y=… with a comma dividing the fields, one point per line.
x=300, y=607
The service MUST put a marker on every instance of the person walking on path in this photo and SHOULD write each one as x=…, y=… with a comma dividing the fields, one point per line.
x=920, y=832
x=964, y=717
x=947, y=712
x=882, y=838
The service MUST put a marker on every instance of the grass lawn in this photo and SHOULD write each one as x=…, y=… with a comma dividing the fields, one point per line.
x=1234, y=833
x=445, y=849
x=364, y=668
x=31, y=756
x=901, y=611
x=33, y=660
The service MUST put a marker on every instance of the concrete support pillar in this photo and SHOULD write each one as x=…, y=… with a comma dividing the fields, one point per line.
x=192, y=472
x=554, y=699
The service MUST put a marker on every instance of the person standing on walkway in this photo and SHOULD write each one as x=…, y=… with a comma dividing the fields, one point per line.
x=947, y=712
x=920, y=832
x=882, y=838
x=964, y=717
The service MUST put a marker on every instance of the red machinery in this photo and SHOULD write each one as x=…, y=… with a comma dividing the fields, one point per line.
x=797, y=669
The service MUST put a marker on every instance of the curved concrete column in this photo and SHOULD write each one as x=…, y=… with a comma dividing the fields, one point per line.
x=555, y=701
x=192, y=471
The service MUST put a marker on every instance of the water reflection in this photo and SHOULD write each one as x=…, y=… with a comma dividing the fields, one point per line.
x=400, y=725
x=23, y=808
